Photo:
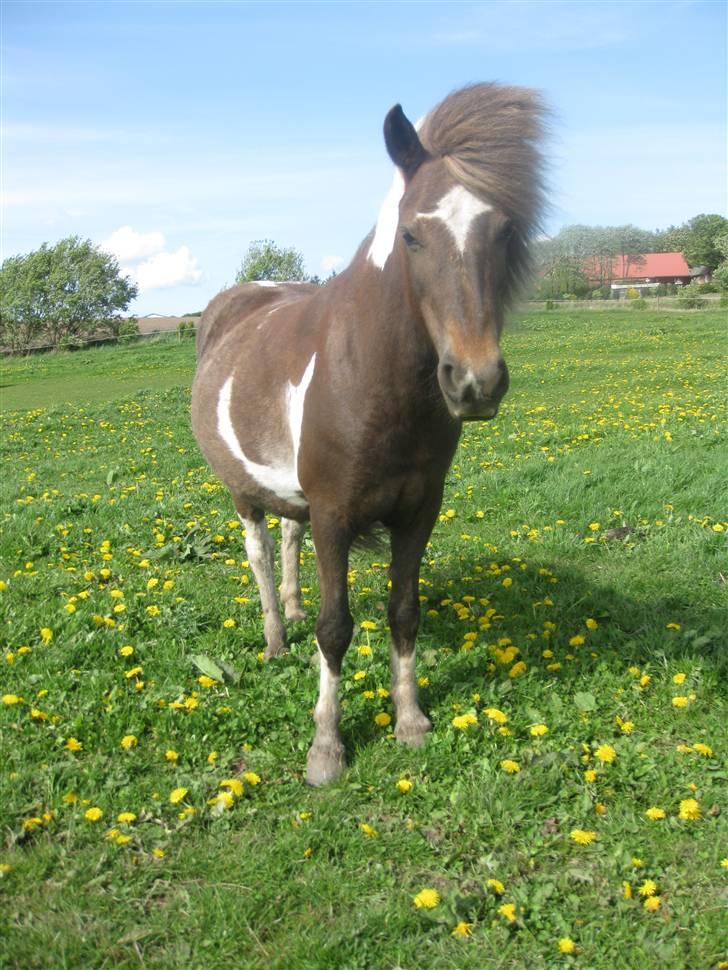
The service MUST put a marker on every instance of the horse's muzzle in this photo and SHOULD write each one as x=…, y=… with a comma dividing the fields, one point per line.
x=473, y=394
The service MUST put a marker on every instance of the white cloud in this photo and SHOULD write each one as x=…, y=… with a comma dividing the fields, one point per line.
x=167, y=269
x=329, y=263
x=129, y=246
x=144, y=257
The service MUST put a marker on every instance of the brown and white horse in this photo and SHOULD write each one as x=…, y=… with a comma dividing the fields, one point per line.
x=343, y=404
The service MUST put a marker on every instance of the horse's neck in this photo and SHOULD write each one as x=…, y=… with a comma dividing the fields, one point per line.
x=387, y=328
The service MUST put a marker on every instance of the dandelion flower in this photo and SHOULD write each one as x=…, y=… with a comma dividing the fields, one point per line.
x=171, y=756
x=368, y=830
x=590, y=775
x=495, y=715
x=655, y=813
x=606, y=753
x=648, y=888
x=566, y=945
x=508, y=911
x=652, y=904
x=177, y=794
x=93, y=814
x=46, y=635
x=73, y=744
x=582, y=837
x=426, y=899
x=689, y=809
x=626, y=890
x=704, y=749
x=463, y=929
x=368, y=625
x=463, y=721
x=512, y=767
x=129, y=741
x=252, y=778
x=126, y=817
x=538, y=730
x=497, y=886
x=383, y=719
x=404, y=785
x=11, y=699
x=679, y=678
x=233, y=785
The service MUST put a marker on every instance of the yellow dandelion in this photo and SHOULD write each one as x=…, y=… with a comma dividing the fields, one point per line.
x=404, y=785
x=648, y=888
x=368, y=830
x=495, y=715
x=689, y=810
x=126, y=817
x=582, y=837
x=704, y=749
x=382, y=719
x=652, y=904
x=655, y=813
x=679, y=678
x=73, y=744
x=508, y=911
x=463, y=721
x=93, y=814
x=171, y=755
x=511, y=767
x=463, y=929
x=426, y=899
x=566, y=945
x=538, y=730
x=233, y=785
x=252, y=778
x=497, y=886
x=46, y=635
x=606, y=753
x=680, y=701
x=129, y=741
x=177, y=794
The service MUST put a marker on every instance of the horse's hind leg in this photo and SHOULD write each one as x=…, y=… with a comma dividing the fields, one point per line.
x=259, y=547
x=290, y=590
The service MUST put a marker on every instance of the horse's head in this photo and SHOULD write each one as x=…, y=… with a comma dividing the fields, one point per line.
x=457, y=248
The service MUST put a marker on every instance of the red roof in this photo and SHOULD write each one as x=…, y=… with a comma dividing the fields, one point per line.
x=650, y=266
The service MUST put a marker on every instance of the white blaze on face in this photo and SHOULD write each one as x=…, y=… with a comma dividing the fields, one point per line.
x=279, y=477
x=385, y=233
x=458, y=208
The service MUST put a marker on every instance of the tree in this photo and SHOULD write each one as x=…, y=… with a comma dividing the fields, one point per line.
x=721, y=272
x=265, y=260
x=699, y=248
x=59, y=292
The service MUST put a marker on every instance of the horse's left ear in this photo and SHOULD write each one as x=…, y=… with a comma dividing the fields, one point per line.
x=402, y=141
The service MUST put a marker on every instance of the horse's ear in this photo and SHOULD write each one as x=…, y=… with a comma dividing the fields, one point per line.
x=402, y=141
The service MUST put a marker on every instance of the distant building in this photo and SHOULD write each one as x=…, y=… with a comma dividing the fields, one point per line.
x=649, y=270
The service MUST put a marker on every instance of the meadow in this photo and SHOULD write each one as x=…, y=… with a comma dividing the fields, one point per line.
x=569, y=806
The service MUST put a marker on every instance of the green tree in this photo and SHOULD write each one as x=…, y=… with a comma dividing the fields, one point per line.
x=66, y=291
x=700, y=247
x=265, y=260
x=720, y=274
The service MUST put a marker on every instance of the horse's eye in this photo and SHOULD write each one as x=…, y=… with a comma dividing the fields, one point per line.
x=410, y=240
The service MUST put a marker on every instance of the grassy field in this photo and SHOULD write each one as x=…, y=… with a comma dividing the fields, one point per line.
x=569, y=807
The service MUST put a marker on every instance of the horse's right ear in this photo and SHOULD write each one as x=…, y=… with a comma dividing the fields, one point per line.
x=402, y=141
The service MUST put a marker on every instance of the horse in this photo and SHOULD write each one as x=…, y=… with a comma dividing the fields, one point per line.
x=343, y=404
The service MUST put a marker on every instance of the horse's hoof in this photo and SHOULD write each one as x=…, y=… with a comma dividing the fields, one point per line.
x=325, y=764
x=275, y=649
x=413, y=730
x=295, y=614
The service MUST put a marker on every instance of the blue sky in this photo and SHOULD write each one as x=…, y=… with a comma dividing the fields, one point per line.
x=175, y=134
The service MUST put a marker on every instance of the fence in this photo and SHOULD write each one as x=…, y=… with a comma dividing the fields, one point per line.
x=176, y=336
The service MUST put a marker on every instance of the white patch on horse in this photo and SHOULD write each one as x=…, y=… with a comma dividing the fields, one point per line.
x=265, y=283
x=457, y=209
x=385, y=233
x=281, y=478
x=327, y=712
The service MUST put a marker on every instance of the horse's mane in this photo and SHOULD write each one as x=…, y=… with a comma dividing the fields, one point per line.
x=488, y=136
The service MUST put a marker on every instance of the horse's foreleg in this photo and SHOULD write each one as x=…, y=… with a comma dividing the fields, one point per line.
x=408, y=545
x=291, y=537
x=326, y=759
x=259, y=547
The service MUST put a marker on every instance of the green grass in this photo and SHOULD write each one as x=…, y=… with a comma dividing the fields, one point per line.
x=615, y=421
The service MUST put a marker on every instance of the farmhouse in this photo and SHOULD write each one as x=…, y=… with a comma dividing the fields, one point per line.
x=648, y=270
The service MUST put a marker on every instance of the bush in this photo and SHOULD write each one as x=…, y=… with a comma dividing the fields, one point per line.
x=708, y=288
x=186, y=328
x=690, y=298
x=550, y=305
x=128, y=330
x=640, y=304
x=633, y=293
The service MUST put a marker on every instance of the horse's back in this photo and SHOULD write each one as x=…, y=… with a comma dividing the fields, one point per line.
x=231, y=309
